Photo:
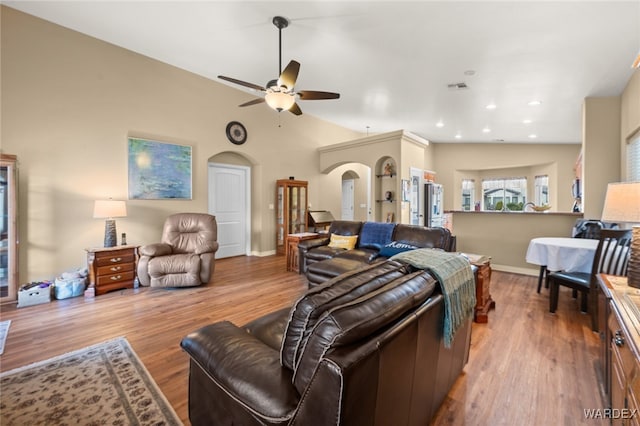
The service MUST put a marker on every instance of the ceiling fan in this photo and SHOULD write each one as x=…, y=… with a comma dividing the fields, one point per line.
x=280, y=94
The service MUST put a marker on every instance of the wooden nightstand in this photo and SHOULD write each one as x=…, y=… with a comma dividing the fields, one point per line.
x=111, y=268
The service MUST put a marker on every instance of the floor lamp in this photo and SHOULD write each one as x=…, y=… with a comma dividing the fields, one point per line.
x=108, y=209
x=622, y=205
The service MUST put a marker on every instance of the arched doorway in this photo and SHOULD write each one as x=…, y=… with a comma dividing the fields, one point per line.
x=348, y=194
x=229, y=187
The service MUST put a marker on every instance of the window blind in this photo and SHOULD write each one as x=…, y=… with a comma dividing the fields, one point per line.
x=633, y=159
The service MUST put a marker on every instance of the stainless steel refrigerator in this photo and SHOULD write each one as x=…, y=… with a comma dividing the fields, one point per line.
x=433, y=212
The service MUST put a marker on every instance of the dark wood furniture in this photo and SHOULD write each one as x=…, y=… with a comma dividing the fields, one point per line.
x=291, y=210
x=484, y=302
x=111, y=268
x=620, y=355
x=293, y=260
x=611, y=257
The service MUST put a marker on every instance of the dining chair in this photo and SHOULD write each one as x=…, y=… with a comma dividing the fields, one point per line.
x=611, y=257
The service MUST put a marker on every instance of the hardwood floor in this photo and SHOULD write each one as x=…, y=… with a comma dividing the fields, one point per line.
x=527, y=366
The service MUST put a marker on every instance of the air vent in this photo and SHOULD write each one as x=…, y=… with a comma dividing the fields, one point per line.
x=457, y=86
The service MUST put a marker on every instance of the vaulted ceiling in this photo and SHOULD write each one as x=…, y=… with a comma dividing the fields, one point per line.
x=445, y=70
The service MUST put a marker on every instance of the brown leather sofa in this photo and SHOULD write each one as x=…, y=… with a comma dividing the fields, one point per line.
x=321, y=262
x=185, y=256
x=365, y=348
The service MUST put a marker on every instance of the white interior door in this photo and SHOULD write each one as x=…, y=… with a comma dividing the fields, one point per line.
x=416, y=210
x=347, y=199
x=229, y=202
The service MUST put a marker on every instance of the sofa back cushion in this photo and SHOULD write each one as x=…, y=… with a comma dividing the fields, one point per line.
x=191, y=233
x=376, y=234
x=345, y=227
x=361, y=318
x=423, y=237
x=339, y=290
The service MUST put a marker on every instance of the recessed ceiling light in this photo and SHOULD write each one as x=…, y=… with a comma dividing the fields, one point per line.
x=534, y=102
x=486, y=130
x=458, y=135
x=440, y=124
x=532, y=136
x=491, y=106
x=527, y=121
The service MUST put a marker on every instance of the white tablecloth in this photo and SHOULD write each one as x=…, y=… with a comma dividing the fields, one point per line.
x=562, y=254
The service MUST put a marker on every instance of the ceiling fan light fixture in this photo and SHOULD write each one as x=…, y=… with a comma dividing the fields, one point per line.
x=280, y=101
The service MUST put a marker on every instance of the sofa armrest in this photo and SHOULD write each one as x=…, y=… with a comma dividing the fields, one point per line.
x=316, y=242
x=244, y=368
x=156, y=249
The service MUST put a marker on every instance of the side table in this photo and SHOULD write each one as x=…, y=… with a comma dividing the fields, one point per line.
x=484, y=302
x=111, y=268
x=291, y=249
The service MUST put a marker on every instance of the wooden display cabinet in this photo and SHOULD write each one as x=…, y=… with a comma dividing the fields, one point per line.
x=620, y=355
x=291, y=210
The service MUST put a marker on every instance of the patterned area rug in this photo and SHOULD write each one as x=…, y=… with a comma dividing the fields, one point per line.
x=4, y=330
x=104, y=384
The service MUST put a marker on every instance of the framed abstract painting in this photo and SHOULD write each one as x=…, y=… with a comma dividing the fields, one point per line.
x=158, y=170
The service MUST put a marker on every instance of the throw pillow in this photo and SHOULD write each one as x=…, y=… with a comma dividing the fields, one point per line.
x=376, y=234
x=395, y=247
x=343, y=241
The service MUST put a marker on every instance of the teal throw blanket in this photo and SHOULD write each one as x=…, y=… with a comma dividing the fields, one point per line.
x=456, y=279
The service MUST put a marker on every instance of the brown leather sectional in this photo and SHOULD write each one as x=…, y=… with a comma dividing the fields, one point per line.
x=364, y=348
x=320, y=262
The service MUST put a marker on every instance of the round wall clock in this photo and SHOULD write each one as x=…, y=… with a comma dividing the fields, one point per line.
x=236, y=133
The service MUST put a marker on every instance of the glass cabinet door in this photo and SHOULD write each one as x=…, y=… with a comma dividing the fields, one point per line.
x=291, y=215
x=8, y=229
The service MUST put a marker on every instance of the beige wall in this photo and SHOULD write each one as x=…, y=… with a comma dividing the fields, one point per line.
x=601, y=158
x=456, y=161
x=68, y=104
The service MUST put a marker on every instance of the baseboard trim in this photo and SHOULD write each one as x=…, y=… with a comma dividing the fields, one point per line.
x=263, y=253
x=516, y=270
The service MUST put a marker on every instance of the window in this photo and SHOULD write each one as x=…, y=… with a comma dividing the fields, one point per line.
x=468, y=189
x=509, y=194
x=541, y=184
x=633, y=159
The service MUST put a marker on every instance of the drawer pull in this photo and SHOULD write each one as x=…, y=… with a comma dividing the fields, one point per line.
x=618, y=338
x=115, y=259
x=116, y=268
x=116, y=278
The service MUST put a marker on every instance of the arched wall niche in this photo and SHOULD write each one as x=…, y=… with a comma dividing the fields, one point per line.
x=402, y=149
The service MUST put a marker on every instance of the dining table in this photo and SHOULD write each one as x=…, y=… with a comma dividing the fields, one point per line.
x=561, y=254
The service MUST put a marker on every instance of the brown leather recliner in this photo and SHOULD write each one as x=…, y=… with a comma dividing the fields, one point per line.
x=185, y=256
x=365, y=348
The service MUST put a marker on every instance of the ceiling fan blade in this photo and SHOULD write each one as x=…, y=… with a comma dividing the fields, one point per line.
x=312, y=95
x=289, y=75
x=295, y=109
x=243, y=83
x=252, y=102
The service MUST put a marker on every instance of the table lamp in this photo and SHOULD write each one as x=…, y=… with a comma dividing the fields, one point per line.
x=622, y=204
x=109, y=209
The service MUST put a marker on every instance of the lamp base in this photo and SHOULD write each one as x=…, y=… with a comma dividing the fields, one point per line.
x=110, y=236
x=633, y=270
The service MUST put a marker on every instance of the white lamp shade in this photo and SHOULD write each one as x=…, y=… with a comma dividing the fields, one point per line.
x=280, y=101
x=109, y=208
x=622, y=203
